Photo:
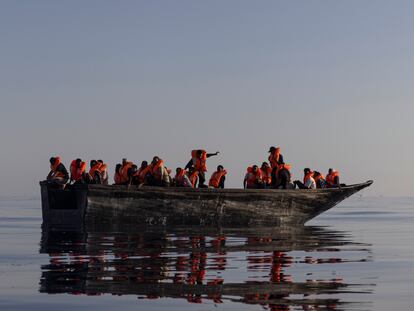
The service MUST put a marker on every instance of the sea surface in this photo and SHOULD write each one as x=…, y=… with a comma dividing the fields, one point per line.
x=357, y=256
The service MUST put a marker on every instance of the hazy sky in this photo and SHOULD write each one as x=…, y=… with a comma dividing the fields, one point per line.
x=330, y=82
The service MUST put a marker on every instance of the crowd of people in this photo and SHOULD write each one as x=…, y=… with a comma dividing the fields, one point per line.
x=274, y=174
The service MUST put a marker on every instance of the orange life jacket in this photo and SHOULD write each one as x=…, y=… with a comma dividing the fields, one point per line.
x=193, y=178
x=124, y=171
x=253, y=177
x=142, y=172
x=117, y=178
x=307, y=177
x=102, y=168
x=283, y=166
x=55, y=166
x=157, y=169
x=216, y=177
x=199, y=163
x=77, y=172
x=94, y=169
x=274, y=158
x=318, y=177
x=267, y=175
x=330, y=178
x=180, y=177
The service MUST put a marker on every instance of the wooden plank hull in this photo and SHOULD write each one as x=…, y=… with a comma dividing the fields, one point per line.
x=182, y=206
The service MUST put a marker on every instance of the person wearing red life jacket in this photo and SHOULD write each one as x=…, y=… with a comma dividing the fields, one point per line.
x=319, y=180
x=284, y=176
x=118, y=174
x=158, y=174
x=181, y=179
x=58, y=174
x=78, y=172
x=103, y=171
x=266, y=174
x=141, y=175
x=332, y=179
x=253, y=178
x=218, y=178
x=275, y=158
x=126, y=166
x=198, y=162
x=94, y=175
x=193, y=176
x=308, y=181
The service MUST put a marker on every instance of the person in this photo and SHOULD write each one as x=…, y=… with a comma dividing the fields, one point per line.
x=118, y=174
x=181, y=179
x=143, y=172
x=78, y=172
x=126, y=165
x=218, y=178
x=319, y=180
x=266, y=174
x=253, y=178
x=198, y=161
x=275, y=158
x=284, y=176
x=58, y=174
x=94, y=176
x=332, y=179
x=193, y=176
x=103, y=170
x=308, y=181
x=158, y=173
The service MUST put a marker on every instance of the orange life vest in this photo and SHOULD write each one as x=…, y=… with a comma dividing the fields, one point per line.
x=253, y=177
x=330, y=178
x=282, y=166
x=267, y=175
x=157, y=169
x=142, y=172
x=216, y=177
x=102, y=168
x=193, y=178
x=199, y=163
x=307, y=177
x=117, y=178
x=77, y=172
x=274, y=158
x=318, y=177
x=124, y=171
x=180, y=177
x=55, y=166
x=94, y=169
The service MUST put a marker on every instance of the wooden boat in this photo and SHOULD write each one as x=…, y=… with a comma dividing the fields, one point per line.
x=186, y=206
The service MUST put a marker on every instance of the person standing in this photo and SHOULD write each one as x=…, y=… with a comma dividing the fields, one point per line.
x=275, y=159
x=198, y=162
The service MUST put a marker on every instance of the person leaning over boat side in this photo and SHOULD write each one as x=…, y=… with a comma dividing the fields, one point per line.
x=58, y=174
x=193, y=176
x=218, y=178
x=284, y=177
x=253, y=178
x=78, y=172
x=103, y=170
x=308, y=181
x=118, y=174
x=94, y=176
x=198, y=161
x=181, y=179
x=319, y=180
x=158, y=173
x=332, y=179
x=266, y=174
x=275, y=158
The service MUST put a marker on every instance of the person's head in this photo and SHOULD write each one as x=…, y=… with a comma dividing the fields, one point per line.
x=330, y=171
x=52, y=160
x=272, y=149
x=220, y=168
x=155, y=159
x=316, y=174
x=100, y=161
x=118, y=167
x=78, y=162
x=144, y=164
x=255, y=168
x=178, y=170
x=93, y=162
x=307, y=170
x=265, y=165
x=124, y=161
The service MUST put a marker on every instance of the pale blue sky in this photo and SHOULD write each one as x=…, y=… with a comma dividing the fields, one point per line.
x=328, y=81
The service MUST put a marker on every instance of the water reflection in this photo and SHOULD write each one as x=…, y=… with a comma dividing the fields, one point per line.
x=282, y=269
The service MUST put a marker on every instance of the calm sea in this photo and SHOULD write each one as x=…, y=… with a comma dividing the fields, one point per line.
x=358, y=256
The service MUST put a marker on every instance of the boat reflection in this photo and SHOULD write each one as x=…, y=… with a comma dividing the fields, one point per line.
x=275, y=267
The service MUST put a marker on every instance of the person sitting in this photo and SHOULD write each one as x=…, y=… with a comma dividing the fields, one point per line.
x=78, y=172
x=198, y=161
x=58, y=175
x=319, y=180
x=275, y=158
x=103, y=170
x=284, y=177
x=181, y=179
x=218, y=178
x=308, y=181
x=332, y=179
x=118, y=174
x=253, y=178
x=158, y=173
x=266, y=174
x=193, y=176
x=94, y=176
x=126, y=165
x=142, y=173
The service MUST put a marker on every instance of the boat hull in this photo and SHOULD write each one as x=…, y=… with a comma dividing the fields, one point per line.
x=101, y=204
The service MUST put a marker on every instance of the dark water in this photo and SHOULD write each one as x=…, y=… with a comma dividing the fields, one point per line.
x=358, y=256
